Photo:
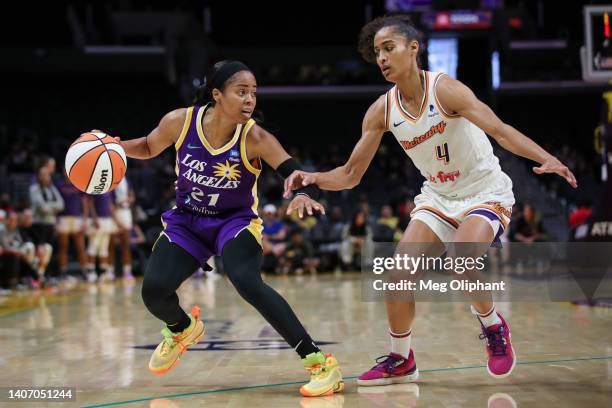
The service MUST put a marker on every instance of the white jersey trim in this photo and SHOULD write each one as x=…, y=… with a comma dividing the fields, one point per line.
x=442, y=110
x=398, y=99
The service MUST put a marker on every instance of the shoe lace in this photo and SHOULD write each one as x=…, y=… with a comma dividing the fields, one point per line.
x=316, y=369
x=169, y=341
x=495, y=340
x=388, y=363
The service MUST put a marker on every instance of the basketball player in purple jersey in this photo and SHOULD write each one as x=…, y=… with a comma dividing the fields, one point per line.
x=71, y=222
x=219, y=149
x=466, y=197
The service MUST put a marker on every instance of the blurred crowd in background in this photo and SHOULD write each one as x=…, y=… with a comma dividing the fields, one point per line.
x=121, y=65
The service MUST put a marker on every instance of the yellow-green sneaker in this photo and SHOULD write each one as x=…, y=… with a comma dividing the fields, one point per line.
x=325, y=375
x=168, y=353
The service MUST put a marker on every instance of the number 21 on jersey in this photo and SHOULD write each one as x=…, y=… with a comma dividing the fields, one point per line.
x=196, y=193
x=442, y=153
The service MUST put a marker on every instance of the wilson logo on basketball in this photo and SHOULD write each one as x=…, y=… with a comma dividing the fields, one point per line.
x=100, y=187
x=439, y=128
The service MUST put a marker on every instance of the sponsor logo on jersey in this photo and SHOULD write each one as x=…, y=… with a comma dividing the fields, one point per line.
x=234, y=156
x=397, y=124
x=443, y=177
x=191, y=147
x=438, y=128
x=432, y=112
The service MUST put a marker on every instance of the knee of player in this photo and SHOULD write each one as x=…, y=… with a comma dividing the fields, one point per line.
x=152, y=289
x=246, y=285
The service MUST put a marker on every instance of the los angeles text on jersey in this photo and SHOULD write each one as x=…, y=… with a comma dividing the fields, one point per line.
x=435, y=129
x=192, y=174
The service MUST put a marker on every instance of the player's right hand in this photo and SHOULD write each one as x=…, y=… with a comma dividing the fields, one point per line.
x=297, y=180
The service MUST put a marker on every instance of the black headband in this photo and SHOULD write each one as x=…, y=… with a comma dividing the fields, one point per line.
x=225, y=72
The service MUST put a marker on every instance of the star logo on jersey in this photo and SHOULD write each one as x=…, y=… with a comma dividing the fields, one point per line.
x=397, y=124
x=191, y=147
x=227, y=170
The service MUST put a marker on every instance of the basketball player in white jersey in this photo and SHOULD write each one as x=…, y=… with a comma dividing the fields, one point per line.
x=466, y=197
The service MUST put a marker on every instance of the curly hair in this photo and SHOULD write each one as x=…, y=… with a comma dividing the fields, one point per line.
x=403, y=25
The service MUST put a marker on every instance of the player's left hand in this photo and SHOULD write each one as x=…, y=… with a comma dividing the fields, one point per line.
x=553, y=165
x=301, y=202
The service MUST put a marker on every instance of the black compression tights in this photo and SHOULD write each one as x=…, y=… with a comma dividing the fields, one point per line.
x=170, y=265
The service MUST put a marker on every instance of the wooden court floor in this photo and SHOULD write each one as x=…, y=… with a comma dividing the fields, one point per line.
x=99, y=338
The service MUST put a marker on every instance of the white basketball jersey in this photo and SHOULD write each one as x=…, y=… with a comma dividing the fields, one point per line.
x=454, y=155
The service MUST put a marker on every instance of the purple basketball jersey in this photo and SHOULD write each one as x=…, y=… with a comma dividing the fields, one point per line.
x=216, y=190
x=213, y=181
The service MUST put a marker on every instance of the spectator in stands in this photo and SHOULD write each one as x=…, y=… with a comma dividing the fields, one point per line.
x=46, y=202
x=404, y=210
x=5, y=203
x=274, y=236
x=388, y=219
x=528, y=227
x=42, y=250
x=48, y=163
x=10, y=259
x=356, y=237
x=298, y=255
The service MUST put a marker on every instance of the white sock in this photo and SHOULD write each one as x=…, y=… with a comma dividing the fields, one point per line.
x=127, y=270
x=487, y=319
x=400, y=343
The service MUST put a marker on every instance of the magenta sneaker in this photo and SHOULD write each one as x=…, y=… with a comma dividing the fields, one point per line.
x=502, y=359
x=391, y=369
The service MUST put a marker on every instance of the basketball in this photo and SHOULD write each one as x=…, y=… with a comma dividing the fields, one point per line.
x=95, y=163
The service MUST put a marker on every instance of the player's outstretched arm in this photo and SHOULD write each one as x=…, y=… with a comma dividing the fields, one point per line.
x=165, y=134
x=348, y=175
x=456, y=97
x=264, y=145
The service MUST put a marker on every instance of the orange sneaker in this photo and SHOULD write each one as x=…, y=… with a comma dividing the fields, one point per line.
x=168, y=353
x=325, y=375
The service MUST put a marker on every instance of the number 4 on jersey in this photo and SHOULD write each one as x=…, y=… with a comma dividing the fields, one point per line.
x=442, y=153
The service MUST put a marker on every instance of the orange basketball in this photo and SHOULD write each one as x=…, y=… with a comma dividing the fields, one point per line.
x=95, y=163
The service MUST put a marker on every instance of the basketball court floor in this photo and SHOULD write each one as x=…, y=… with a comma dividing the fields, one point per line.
x=99, y=338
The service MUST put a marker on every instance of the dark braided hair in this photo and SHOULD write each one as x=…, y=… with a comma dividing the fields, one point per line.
x=403, y=25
